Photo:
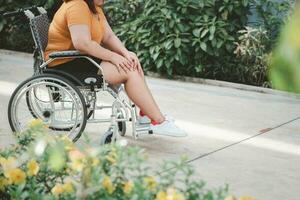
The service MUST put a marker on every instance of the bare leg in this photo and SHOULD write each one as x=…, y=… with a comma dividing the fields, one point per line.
x=136, y=89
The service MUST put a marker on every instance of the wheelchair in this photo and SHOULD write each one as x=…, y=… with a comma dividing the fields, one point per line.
x=64, y=103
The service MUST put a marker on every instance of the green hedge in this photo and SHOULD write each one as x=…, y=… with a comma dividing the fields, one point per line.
x=179, y=37
x=14, y=31
x=200, y=38
x=185, y=37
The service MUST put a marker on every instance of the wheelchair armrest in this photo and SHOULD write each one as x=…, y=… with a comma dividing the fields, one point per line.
x=61, y=54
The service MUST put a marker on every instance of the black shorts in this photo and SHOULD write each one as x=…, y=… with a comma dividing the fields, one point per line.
x=79, y=67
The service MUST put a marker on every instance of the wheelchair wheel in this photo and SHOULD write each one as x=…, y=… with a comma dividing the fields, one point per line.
x=54, y=100
x=121, y=125
x=107, y=137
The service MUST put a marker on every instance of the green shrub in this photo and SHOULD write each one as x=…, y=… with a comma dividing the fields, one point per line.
x=41, y=165
x=176, y=37
x=255, y=43
x=119, y=12
x=14, y=31
x=184, y=37
x=252, y=52
x=198, y=38
x=272, y=15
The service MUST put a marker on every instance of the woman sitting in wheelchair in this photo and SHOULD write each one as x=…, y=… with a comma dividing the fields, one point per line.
x=81, y=25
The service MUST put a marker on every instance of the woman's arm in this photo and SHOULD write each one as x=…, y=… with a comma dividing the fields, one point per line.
x=112, y=42
x=81, y=39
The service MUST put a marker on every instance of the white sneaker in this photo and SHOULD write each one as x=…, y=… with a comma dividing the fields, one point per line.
x=168, y=128
x=144, y=120
x=169, y=118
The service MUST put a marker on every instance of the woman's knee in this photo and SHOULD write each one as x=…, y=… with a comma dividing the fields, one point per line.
x=112, y=74
x=133, y=75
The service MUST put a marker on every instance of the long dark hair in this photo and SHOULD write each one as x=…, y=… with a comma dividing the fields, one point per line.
x=91, y=5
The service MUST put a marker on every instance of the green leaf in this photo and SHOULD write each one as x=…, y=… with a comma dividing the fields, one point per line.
x=155, y=56
x=225, y=15
x=171, y=24
x=203, y=46
x=220, y=43
x=199, y=68
x=151, y=50
x=168, y=44
x=212, y=30
x=177, y=42
x=204, y=32
x=1, y=25
x=196, y=32
x=159, y=63
x=169, y=71
x=162, y=29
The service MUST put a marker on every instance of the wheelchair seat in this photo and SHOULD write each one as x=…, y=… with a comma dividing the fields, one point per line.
x=86, y=79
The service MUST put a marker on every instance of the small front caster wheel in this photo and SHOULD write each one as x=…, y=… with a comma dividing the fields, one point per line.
x=121, y=125
x=107, y=137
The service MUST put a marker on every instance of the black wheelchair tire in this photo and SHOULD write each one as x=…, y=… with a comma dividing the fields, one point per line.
x=55, y=77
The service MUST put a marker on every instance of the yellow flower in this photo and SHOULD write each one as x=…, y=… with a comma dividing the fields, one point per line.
x=111, y=159
x=2, y=160
x=35, y=122
x=8, y=164
x=150, y=182
x=76, y=155
x=107, y=184
x=246, y=198
x=77, y=160
x=230, y=198
x=57, y=189
x=161, y=196
x=16, y=176
x=95, y=162
x=172, y=194
x=33, y=168
x=77, y=165
x=69, y=145
x=68, y=187
x=3, y=183
x=128, y=186
x=92, y=151
x=112, y=156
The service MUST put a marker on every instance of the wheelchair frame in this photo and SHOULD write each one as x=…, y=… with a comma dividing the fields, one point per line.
x=122, y=109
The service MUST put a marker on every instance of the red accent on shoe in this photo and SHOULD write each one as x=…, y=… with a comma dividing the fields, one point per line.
x=142, y=114
x=153, y=122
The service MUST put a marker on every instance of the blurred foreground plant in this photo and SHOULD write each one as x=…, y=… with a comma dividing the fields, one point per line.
x=51, y=167
x=285, y=67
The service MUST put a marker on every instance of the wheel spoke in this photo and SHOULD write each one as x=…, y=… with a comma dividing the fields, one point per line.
x=57, y=104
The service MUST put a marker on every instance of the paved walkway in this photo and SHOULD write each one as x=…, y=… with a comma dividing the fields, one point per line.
x=266, y=167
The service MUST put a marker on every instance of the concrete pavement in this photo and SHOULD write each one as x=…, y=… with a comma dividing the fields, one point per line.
x=266, y=167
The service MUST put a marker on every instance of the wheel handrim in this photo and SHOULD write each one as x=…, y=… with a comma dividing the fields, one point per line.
x=77, y=107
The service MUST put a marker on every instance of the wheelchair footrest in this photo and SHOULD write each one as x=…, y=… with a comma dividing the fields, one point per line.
x=143, y=129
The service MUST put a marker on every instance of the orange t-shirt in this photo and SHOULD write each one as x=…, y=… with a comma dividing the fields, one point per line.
x=71, y=13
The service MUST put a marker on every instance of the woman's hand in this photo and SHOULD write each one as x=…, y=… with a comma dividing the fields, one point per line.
x=121, y=62
x=135, y=60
